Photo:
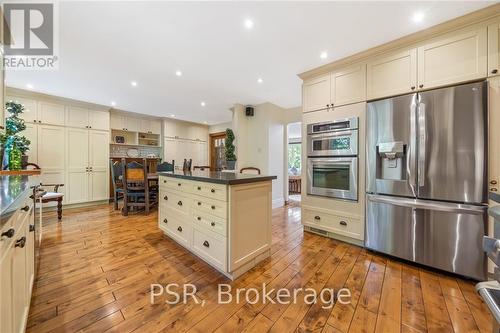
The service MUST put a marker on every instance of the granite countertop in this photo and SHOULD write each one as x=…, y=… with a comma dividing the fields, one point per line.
x=227, y=178
x=13, y=192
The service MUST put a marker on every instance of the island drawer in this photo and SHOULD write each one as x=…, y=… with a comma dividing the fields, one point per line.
x=335, y=223
x=173, y=183
x=179, y=230
x=210, y=222
x=176, y=202
x=212, y=207
x=211, y=247
x=209, y=190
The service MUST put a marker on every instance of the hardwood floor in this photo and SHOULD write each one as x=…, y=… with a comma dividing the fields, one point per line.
x=97, y=267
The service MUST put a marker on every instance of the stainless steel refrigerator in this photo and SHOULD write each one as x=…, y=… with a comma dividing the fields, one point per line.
x=427, y=178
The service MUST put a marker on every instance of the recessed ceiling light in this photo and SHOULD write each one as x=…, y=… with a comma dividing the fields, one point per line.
x=249, y=24
x=133, y=83
x=172, y=115
x=418, y=17
x=178, y=73
x=259, y=80
x=205, y=122
x=323, y=55
x=29, y=86
x=113, y=103
x=203, y=104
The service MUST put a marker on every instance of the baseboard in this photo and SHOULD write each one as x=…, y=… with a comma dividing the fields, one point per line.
x=77, y=205
x=278, y=202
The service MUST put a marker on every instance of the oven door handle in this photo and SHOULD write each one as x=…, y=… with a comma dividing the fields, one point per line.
x=333, y=134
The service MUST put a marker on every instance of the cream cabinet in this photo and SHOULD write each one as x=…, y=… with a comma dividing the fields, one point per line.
x=392, y=74
x=494, y=133
x=31, y=133
x=494, y=49
x=51, y=113
x=87, y=166
x=454, y=58
x=117, y=122
x=349, y=85
x=316, y=93
x=150, y=126
x=132, y=124
x=180, y=149
x=30, y=113
x=84, y=118
x=6, y=293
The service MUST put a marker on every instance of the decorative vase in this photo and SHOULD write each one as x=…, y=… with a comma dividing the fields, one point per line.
x=24, y=161
x=230, y=165
x=15, y=159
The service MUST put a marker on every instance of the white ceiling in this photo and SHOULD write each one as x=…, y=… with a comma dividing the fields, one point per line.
x=106, y=45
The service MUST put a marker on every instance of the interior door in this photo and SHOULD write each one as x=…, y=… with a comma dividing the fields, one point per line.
x=452, y=144
x=78, y=163
x=98, y=161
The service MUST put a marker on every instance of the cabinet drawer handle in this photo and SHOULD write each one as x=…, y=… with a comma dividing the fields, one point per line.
x=317, y=218
x=32, y=227
x=421, y=86
x=493, y=189
x=344, y=223
x=199, y=203
x=179, y=228
x=20, y=242
x=165, y=181
x=179, y=184
x=198, y=218
x=199, y=188
x=9, y=233
x=213, y=207
x=493, y=182
x=25, y=208
x=165, y=221
x=165, y=197
x=212, y=224
x=494, y=71
x=212, y=190
x=205, y=243
x=179, y=203
x=412, y=87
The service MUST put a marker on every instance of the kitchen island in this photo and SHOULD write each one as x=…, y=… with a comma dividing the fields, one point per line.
x=223, y=218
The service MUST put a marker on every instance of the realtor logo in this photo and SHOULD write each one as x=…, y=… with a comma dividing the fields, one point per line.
x=29, y=34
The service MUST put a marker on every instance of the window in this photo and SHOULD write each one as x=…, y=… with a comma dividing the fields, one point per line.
x=294, y=158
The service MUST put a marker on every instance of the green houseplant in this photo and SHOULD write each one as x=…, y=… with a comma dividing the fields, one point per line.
x=230, y=156
x=13, y=145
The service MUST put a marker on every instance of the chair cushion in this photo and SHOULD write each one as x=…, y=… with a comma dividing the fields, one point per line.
x=52, y=195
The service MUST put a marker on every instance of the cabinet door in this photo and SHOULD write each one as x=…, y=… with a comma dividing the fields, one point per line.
x=77, y=117
x=99, y=120
x=78, y=163
x=170, y=150
x=392, y=74
x=349, y=85
x=175, y=129
x=202, y=153
x=145, y=126
x=20, y=292
x=493, y=49
x=6, y=295
x=51, y=147
x=30, y=252
x=155, y=126
x=494, y=133
x=316, y=93
x=453, y=59
x=51, y=113
x=117, y=122
x=98, y=160
x=31, y=133
x=132, y=124
x=30, y=113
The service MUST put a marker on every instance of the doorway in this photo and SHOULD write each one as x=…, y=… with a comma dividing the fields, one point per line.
x=294, y=160
x=217, y=151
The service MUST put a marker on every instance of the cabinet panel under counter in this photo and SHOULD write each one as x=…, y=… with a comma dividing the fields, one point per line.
x=225, y=218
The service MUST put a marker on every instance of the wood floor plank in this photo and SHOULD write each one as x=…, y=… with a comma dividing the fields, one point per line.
x=437, y=316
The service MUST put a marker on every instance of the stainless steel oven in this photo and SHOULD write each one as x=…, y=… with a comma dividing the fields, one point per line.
x=333, y=138
x=333, y=177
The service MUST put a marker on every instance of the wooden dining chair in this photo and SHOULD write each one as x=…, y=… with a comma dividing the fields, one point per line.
x=187, y=165
x=250, y=170
x=136, y=192
x=51, y=195
x=165, y=167
x=116, y=180
x=201, y=167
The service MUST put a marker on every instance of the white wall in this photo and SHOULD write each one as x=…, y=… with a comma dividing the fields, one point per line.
x=217, y=128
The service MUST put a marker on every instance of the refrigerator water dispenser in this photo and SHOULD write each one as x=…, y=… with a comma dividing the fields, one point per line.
x=391, y=162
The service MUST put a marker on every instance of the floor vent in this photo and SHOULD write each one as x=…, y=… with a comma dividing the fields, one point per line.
x=317, y=231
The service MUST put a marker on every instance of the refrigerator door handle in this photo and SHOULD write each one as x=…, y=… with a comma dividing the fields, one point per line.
x=422, y=138
x=410, y=167
x=429, y=205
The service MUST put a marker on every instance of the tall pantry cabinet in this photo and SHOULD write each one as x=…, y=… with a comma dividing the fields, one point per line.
x=70, y=143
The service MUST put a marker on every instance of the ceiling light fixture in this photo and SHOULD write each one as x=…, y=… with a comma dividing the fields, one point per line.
x=323, y=55
x=29, y=86
x=249, y=24
x=172, y=115
x=113, y=103
x=178, y=73
x=203, y=104
x=418, y=17
x=133, y=83
x=205, y=122
x=259, y=80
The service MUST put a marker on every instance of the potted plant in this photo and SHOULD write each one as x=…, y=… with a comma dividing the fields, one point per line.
x=14, y=146
x=229, y=152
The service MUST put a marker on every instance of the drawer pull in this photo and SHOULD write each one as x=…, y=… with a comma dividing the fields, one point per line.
x=494, y=71
x=199, y=203
x=213, y=207
x=32, y=227
x=421, y=86
x=199, y=188
x=212, y=190
x=179, y=203
x=20, y=242
x=344, y=223
x=179, y=228
x=25, y=208
x=9, y=233
x=206, y=244
x=493, y=182
x=165, y=197
x=317, y=218
x=165, y=181
x=212, y=224
x=179, y=184
x=493, y=189
x=165, y=221
x=198, y=218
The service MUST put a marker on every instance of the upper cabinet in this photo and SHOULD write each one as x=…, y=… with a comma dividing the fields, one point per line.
x=348, y=85
x=117, y=121
x=185, y=130
x=454, y=58
x=134, y=124
x=316, y=93
x=51, y=113
x=84, y=118
x=99, y=120
x=493, y=49
x=392, y=74
x=150, y=126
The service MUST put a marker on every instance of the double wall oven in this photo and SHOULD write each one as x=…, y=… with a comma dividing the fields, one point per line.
x=332, y=159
